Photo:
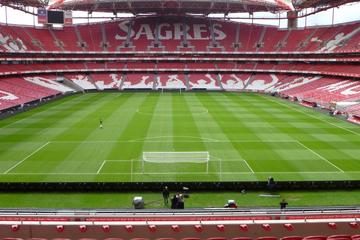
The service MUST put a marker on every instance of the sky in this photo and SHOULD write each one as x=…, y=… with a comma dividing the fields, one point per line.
x=345, y=13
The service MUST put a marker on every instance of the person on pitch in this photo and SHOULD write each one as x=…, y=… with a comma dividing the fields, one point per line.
x=101, y=123
x=283, y=205
x=166, y=195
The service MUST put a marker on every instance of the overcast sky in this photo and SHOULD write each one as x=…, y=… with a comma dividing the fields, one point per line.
x=345, y=13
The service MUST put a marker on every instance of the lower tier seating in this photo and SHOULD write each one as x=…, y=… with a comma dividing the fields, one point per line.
x=16, y=91
x=323, y=91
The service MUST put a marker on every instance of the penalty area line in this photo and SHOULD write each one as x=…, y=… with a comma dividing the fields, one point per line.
x=321, y=157
x=28, y=156
x=101, y=166
x=248, y=165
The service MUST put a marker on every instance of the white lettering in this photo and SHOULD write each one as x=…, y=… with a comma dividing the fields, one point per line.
x=188, y=36
x=124, y=26
x=7, y=96
x=337, y=86
x=178, y=33
x=350, y=91
x=168, y=33
x=146, y=31
x=199, y=29
x=219, y=35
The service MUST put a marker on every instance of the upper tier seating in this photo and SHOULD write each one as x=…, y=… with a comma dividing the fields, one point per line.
x=67, y=39
x=171, y=33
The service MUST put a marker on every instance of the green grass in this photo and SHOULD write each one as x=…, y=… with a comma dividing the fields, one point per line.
x=196, y=200
x=248, y=136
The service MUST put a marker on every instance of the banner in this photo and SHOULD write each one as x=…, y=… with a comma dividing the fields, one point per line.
x=42, y=16
x=68, y=18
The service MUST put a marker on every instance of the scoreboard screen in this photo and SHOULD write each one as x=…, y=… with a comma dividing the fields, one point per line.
x=55, y=17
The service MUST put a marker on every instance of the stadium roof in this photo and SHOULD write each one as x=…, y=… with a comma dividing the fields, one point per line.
x=33, y=3
x=177, y=6
x=174, y=6
x=300, y=4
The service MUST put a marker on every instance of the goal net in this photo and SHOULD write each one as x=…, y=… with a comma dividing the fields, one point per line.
x=176, y=157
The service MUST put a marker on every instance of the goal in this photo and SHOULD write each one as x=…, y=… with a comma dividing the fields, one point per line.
x=175, y=157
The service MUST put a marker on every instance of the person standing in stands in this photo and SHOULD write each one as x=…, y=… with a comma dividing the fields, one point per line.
x=166, y=194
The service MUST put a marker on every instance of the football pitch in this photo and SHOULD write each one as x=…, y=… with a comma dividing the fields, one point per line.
x=176, y=137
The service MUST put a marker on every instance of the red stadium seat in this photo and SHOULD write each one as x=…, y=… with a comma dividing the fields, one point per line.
x=292, y=238
x=315, y=238
x=267, y=238
x=339, y=237
x=242, y=238
x=355, y=237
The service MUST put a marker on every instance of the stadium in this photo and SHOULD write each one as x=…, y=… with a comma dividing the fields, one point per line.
x=99, y=117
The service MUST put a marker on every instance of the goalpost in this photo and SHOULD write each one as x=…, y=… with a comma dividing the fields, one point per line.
x=175, y=157
x=172, y=90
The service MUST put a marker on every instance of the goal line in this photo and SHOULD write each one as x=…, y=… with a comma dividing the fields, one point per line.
x=175, y=157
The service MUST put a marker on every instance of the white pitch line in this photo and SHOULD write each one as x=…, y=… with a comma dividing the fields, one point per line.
x=181, y=173
x=211, y=161
x=131, y=171
x=323, y=158
x=248, y=165
x=159, y=141
x=101, y=166
x=310, y=115
x=120, y=160
x=28, y=156
x=13, y=123
x=220, y=169
x=232, y=160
